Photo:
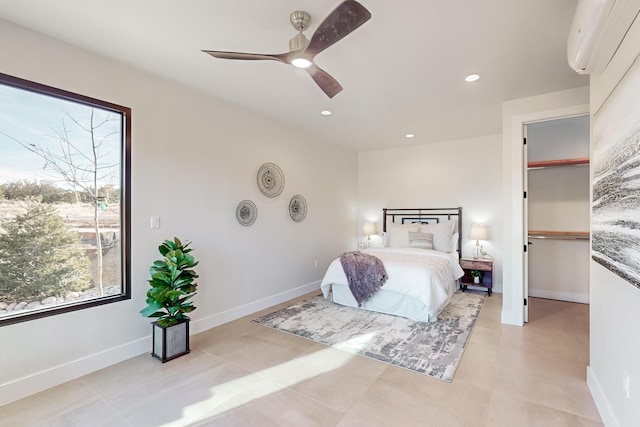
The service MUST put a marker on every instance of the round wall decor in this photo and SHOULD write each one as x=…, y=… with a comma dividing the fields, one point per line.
x=246, y=213
x=270, y=180
x=298, y=208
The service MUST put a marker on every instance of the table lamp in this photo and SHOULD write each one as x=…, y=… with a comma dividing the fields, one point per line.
x=369, y=229
x=478, y=232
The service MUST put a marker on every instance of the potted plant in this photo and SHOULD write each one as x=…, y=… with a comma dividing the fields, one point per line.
x=476, y=275
x=169, y=299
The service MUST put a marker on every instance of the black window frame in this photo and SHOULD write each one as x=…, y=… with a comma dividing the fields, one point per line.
x=125, y=198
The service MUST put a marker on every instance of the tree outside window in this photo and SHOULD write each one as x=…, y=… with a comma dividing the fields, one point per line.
x=64, y=211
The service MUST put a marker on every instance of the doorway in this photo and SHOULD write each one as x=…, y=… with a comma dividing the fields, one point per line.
x=516, y=114
x=557, y=209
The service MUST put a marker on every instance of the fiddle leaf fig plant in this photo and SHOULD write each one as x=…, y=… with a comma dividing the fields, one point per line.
x=172, y=284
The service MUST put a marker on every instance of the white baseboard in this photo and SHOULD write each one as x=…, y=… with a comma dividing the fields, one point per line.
x=562, y=296
x=218, y=319
x=600, y=399
x=40, y=381
x=57, y=375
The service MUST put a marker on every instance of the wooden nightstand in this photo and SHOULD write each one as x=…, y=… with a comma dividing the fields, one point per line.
x=483, y=265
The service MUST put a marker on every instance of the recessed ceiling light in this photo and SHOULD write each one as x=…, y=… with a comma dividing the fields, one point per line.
x=409, y=135
x=325, y=112
x=472, y=78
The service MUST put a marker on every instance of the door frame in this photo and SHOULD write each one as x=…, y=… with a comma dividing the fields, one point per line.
x=525, y=222
x=513, y=298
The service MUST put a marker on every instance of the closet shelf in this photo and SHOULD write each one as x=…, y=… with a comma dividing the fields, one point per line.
x=558, y=162
x=559, y=235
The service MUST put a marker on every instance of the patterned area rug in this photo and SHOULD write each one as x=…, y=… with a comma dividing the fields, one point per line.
x=432, y=349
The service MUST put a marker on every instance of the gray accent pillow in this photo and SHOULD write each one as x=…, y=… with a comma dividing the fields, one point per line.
x=421, y=240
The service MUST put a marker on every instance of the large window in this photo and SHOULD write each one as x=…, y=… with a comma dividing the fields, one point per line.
x=64, y=201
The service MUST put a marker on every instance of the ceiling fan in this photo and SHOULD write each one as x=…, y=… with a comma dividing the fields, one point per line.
x=347, y=17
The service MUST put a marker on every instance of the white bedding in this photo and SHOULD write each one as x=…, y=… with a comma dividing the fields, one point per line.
x=423, y=279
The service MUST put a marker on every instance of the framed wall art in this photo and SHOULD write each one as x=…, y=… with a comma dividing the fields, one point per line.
x=615, y=228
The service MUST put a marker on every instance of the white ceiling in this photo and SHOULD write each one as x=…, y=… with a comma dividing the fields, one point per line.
x=402, y=72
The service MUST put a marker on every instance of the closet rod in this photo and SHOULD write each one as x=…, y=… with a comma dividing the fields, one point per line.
x=559, y=162
x=559, y=235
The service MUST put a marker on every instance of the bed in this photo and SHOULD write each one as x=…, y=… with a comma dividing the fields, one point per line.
x=421, y=257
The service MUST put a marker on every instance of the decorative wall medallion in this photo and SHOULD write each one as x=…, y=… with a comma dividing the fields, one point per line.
x=298, y=208
x=270, y=180
x=246, y=212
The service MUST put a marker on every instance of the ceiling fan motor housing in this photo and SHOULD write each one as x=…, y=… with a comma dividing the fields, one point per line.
x=300, y=20
x=299, y=42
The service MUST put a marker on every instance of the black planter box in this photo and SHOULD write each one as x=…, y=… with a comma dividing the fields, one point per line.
x=170, y=342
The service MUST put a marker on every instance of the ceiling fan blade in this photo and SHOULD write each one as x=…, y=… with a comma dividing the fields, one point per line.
x=341, y=22
x=328, y=84
x=282, y=57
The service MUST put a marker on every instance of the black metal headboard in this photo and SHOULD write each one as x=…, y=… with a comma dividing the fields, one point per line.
x=424, y=216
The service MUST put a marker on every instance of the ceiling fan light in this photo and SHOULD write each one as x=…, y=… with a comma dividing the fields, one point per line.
x=301, y=63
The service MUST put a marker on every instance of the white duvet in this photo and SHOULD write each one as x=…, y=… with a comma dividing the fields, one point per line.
x=426, y=275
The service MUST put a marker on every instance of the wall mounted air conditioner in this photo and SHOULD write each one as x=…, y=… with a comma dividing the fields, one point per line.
x=597, y=30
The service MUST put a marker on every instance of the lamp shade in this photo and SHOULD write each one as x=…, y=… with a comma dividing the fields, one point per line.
x=479, y=232
x=369, y=228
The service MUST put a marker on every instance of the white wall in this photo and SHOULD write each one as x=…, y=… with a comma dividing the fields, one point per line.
x=194, y=159
x=515, y=114
x=615, y=303
x=462, y=173
x=566, y=138
x=558, y=200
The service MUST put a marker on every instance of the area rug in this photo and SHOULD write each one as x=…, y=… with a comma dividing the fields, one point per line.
x=432, y=349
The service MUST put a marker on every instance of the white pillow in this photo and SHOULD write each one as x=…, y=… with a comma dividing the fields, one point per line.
x=398, y=234
x=442, y=235
x=421, y=240
x=454, y=242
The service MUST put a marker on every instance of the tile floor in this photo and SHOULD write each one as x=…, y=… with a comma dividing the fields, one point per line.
x=243, y=374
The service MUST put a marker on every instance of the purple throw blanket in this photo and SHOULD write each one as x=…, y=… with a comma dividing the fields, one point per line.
x=365, y=274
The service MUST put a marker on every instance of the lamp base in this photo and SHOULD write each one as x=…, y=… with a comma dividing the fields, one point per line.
x=477, y=252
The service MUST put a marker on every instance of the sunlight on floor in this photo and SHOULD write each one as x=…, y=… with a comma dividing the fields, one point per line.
x=241, y=391
x=357, y=343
